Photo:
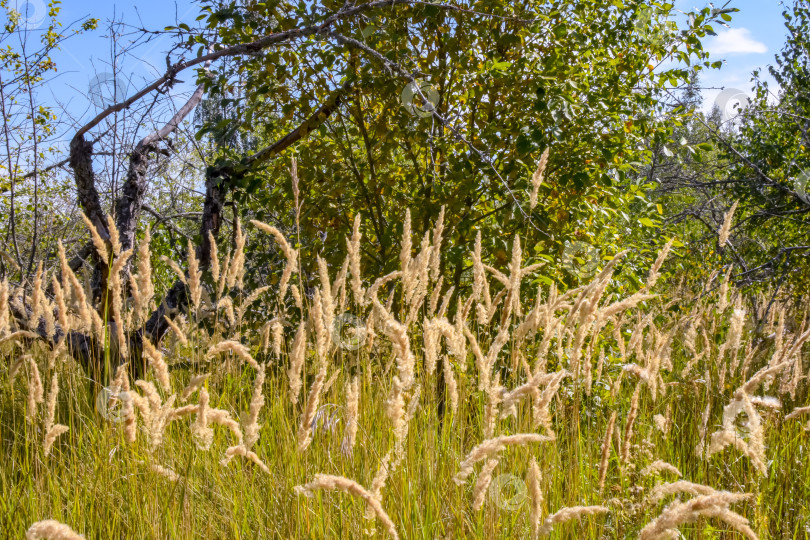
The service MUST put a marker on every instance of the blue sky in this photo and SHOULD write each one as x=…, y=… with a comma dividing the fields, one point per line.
x=85, y=59
x=756, y=33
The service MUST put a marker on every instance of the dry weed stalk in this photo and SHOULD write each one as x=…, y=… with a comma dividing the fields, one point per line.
x=533, y=480
x=242, y=450
x=50, y=528
x=491, y=447
x=165, y=472
x=194, y=278
x=567, y=514
x=36, y=391
x=353, y=247
x=37, y=295
x=754, y=447
x=19, y=335
x=450, y=384
x=529, y=388
x=238, y=350
x=98, y=242
x=193, y=385
x=712, y=505
x=118, y=389
x=236, y=267
x=308, y=416
x=339, y=483
x=659, y=466
x=542, y=402
x=537, y=178
x=352, y=415
x=725, y=228
x=202, y=434
x=52, y=431
x=398, y=334
x=143, y=287
x=663, y=491
x=158, y=364
x=379, y=481
x=251, y=425
x=603, y=463
x=436, y=252
x=61, y=306
x=482, y=483
x=798, y=411
x=297, y=358
x=631, y=419
x=181, y=336
x=156, y=414
x=4, y=313
x=178, y=272
x=494, y=396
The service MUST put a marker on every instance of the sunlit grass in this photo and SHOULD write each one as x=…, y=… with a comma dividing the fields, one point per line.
x=105, y=487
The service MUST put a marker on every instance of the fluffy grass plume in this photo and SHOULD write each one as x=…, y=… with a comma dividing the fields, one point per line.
x=651, y=392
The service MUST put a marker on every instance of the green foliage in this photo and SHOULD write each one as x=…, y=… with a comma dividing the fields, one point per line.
x=759, y=159
x=774, y=140
x=510, y=80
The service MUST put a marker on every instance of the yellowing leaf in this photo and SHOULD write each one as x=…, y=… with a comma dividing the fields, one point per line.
x=647, y=222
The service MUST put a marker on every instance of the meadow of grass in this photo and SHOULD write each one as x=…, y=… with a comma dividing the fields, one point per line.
x=354, y=407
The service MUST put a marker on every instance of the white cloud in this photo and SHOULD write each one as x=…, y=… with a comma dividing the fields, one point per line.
x=736, y=40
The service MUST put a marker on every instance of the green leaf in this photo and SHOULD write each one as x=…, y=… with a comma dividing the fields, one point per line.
x=647, y=222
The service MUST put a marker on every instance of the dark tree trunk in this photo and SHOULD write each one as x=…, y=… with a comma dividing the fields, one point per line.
x=128, y=210
x=81, y=161
x=128, y=207
x=212, y=216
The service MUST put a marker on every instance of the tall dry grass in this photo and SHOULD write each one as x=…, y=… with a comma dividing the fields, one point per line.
x=519, y=411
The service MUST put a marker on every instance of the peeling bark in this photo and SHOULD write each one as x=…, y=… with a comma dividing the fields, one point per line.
x=81, y=161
